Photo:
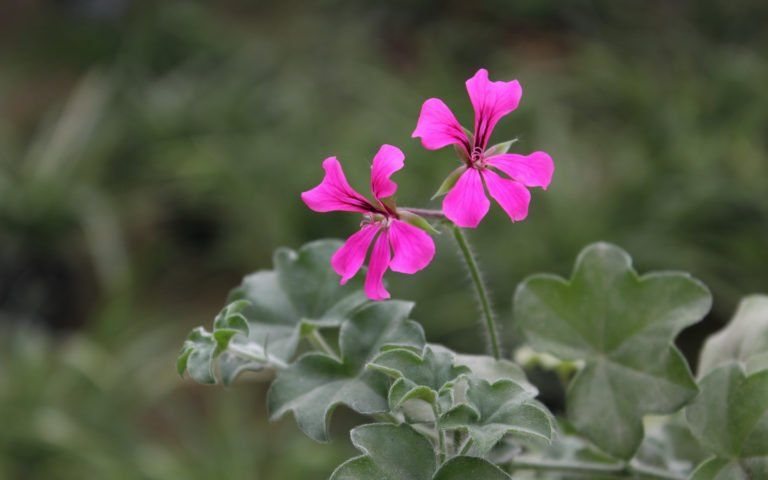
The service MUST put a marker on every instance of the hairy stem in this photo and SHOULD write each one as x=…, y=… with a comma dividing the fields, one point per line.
x=467, y=445
x=620, y=470
x=318, y=341
x=266, y=359
x=440, y=433
x=482, y=292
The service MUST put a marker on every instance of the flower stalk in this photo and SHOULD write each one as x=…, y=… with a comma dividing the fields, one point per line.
x=491, y=329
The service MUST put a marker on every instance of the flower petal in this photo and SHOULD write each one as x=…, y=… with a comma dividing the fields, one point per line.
x=534, y=170
x=511, y=195
x=334, y=192
x=350, y=257
x=387, y=161
x=466, y=203
x=377, y=265
x=412, y=247
x=438, y=127
x=491, y=101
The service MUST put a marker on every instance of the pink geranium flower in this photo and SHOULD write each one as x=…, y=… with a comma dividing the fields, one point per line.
x=466, y=203
x=397, y=245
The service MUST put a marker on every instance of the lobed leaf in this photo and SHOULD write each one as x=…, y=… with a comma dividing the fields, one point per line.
x=269, y=313
x=493, y=410
x=398, y=452
x=312, y=387
x=744, y=339
x=622, y=325
x=421, y=377
x=730, y=415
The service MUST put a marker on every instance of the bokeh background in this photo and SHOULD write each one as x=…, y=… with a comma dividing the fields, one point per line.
x=152, y=153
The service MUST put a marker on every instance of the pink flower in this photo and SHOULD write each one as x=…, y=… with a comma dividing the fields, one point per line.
x=397, y=245
x=466, y=203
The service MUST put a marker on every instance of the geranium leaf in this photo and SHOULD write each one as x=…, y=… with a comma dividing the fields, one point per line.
x=622, y=325
x=313, y=386
x=302, y=289
x=730, y=415
x=493, y=410
x=669, y=445
x=391, y=452
x=745, y=337
x=418, y=376
x=398, y=452
x=196, y=356
x=465, y=468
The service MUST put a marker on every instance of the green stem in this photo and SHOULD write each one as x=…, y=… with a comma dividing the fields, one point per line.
x=482, y=292
x=620, y=470
x=266, y=359
x=318, y=341
x=467, y=445
x=440, y=433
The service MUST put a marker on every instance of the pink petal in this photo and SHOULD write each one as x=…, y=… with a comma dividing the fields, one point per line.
x=534, y=170
x=491, y=101
x=412, y=247
x=438, y=127
x=387, y=161
x=350, y=257
x=377, y=265
x=511, y=195
x=334, y=193
x=466, y=203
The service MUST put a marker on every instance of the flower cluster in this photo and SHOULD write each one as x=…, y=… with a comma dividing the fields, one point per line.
x=398, y=244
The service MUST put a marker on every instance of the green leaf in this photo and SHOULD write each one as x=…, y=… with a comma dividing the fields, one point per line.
x=745, y=337
x=493, y=410
x=398, y=452
x=622, y=325
x=669, y=445
x=391, y=452
x=418, y=376
x=730, y=415
x=302, y=289
x=500, y=148
x=723, y=469
x=313, y=386
x=196, y=356
x=449, y=182
x=466, y=468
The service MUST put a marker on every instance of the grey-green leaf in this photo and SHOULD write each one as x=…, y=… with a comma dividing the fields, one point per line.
x=197, y=356
x=623, y=326
x=313, y=386
x=391, y=452
x=469, y=468
x=302, y=288
x=730, y=415
x=419, y=376
x=495, y=410
x=746, y=336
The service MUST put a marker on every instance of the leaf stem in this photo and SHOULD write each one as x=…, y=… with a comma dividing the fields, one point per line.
x=266, y=359
x=620, y=470
x=482, y=291
x=440, y=433
x=318, y=341
x=467, y=445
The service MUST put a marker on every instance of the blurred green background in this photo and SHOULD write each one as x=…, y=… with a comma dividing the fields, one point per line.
x=152, y=153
